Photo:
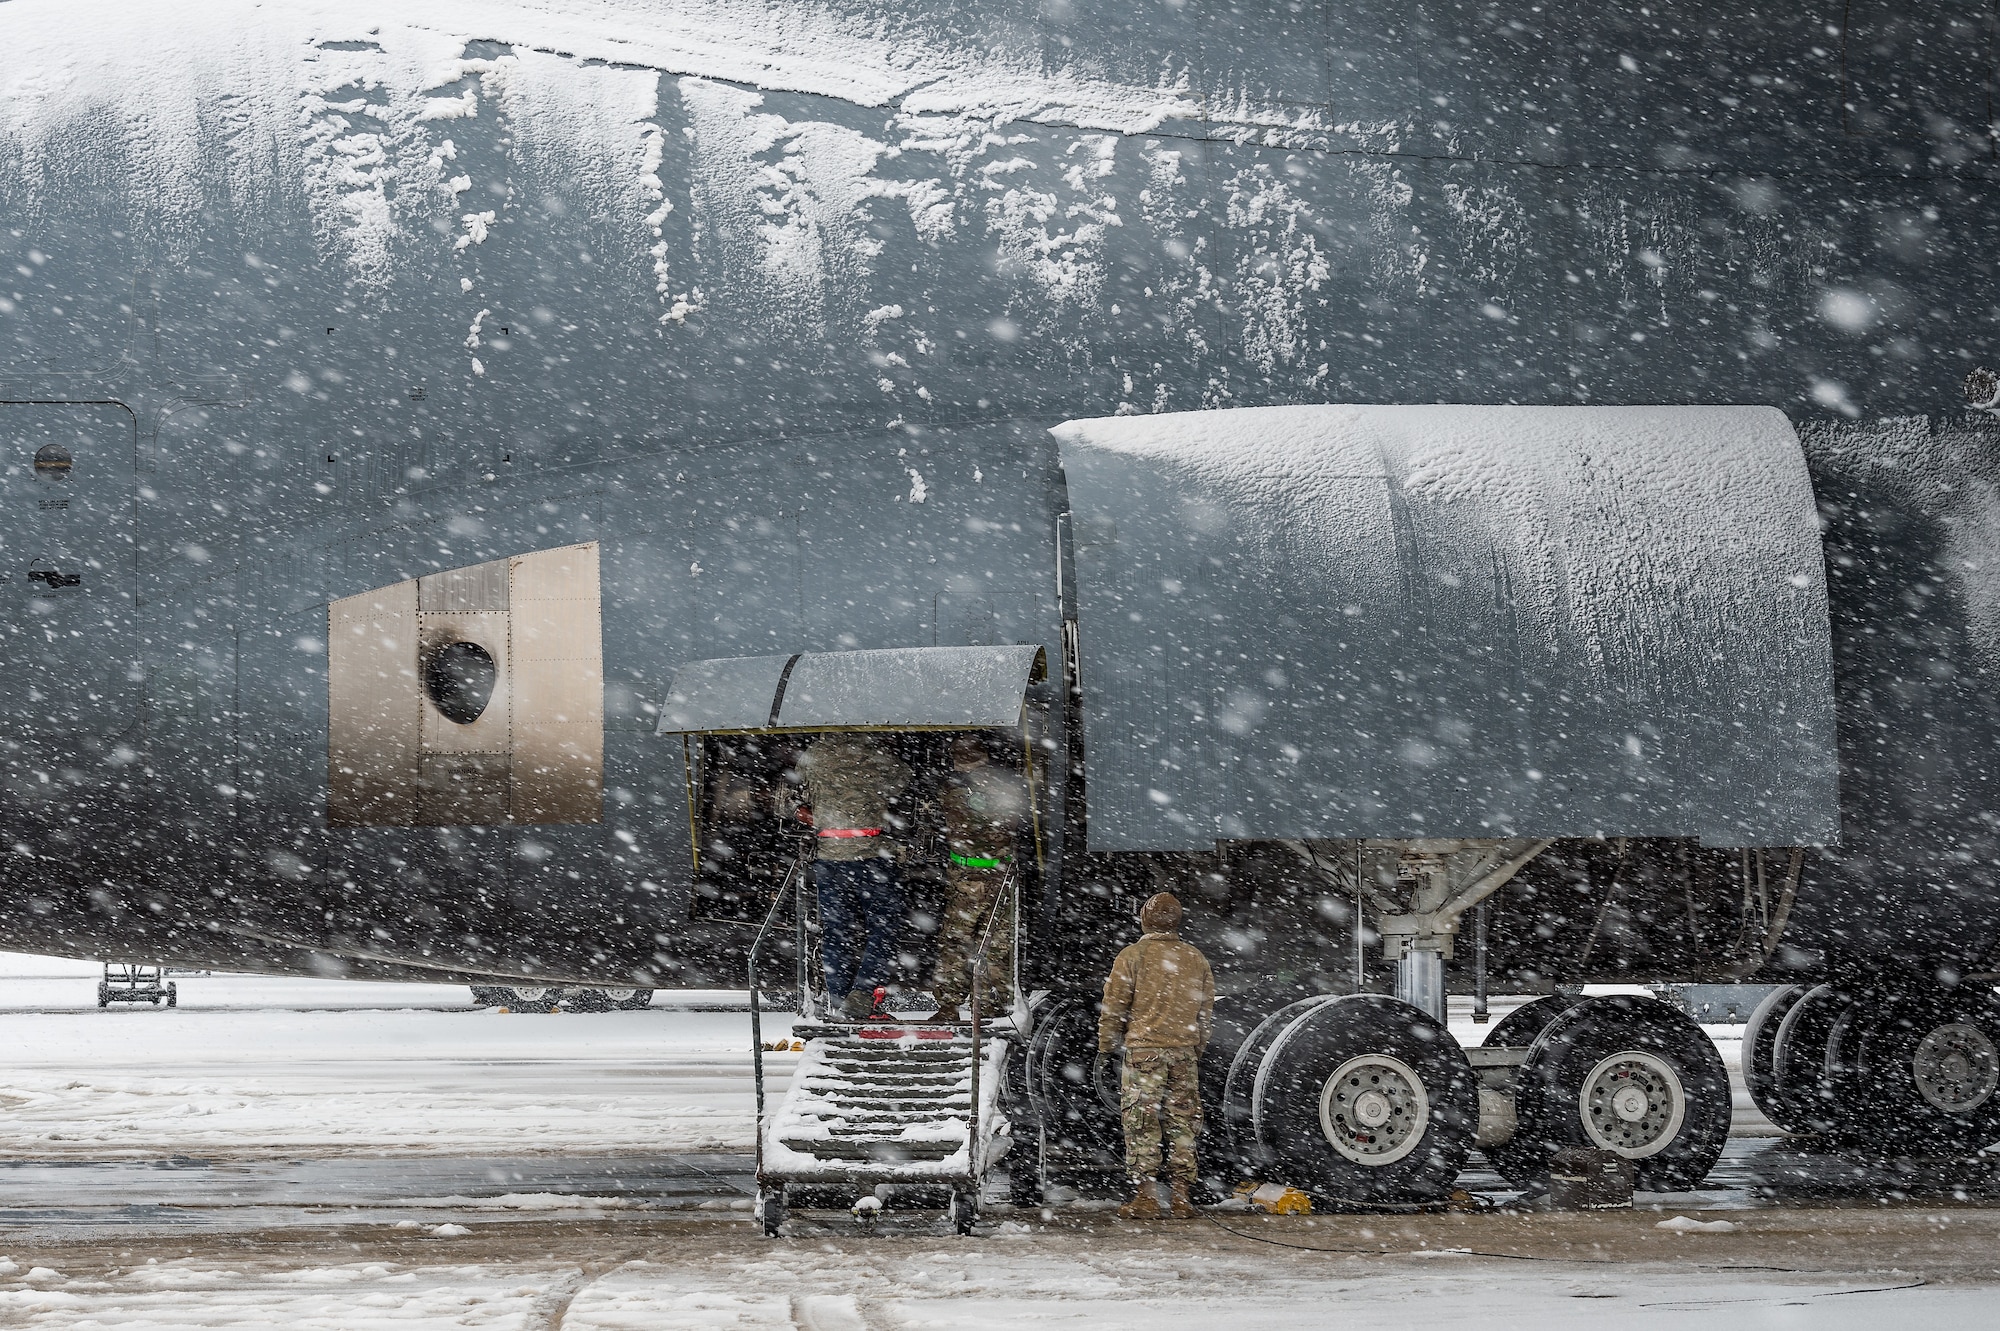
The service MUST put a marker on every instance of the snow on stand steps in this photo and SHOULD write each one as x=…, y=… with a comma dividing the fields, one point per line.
x=887, y=1109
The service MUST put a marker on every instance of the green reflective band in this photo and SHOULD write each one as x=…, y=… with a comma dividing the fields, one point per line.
x=976, y=861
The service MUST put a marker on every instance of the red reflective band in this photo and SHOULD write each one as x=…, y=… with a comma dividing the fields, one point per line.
x=851, y=831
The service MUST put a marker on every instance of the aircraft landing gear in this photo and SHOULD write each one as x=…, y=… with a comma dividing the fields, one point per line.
x=1077, y=1117
x=531, y=998
x=1906, y=1071
x=1624, y=1074
x=1365, y=1098
x=1359, y=1098
x=1760, y=1044
x=590, y=1000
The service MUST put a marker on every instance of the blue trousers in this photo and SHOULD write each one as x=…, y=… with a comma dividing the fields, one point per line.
x=861, y=911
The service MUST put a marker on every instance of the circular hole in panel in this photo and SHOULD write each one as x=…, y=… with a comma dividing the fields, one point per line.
x=458, y=678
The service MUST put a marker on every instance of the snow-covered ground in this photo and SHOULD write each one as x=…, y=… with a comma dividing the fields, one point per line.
x=1184, y=1278
x=258, y=1065
x=328, y=1154
x=253, y=1065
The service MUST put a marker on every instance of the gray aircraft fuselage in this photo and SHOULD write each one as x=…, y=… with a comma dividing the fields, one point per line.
x=789, y=358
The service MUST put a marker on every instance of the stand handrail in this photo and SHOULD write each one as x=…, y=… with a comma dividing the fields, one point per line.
x=756, y=1003
x=1001, y=901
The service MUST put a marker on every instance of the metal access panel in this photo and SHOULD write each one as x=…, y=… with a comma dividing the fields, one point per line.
x=1441, y=621
x=534, y=750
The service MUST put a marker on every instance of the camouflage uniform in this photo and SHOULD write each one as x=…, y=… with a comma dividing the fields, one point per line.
x=982, y=809
x=1159, y=1096
x=853, y=780
x=1159, y=1003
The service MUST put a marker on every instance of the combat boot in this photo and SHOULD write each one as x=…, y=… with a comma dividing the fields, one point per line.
x=1145, y=1203
x=1180, y=1205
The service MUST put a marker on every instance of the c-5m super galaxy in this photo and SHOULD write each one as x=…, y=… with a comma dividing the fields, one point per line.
x=1464, y=495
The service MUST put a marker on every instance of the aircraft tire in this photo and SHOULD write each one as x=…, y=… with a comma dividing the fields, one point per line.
x=589, y=1000
x=531, y=998
x=1068, y=1104
x=1624, y=1074
x=1927, y=1075
x=1802, y=1087
x=1024, y=1181
x=1364, y=1098
x=1238, y=1017
x=639, y=1000
x=1239, y=1112
x=1520, y=1027
x=1760, y=1047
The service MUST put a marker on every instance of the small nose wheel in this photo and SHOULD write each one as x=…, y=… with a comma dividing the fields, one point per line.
x=964, y=1211
x=770, y=1211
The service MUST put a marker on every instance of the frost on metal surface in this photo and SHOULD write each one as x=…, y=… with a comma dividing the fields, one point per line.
x=900, y=687
x=749, y=162
x=1338, y=621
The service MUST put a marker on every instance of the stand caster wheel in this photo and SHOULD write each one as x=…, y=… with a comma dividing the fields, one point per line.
x=103, y=995
x=770, y=1211
x=964, y=1211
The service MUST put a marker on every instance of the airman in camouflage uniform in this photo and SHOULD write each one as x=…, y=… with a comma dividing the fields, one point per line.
x=1159, y=1004
x=983, y=802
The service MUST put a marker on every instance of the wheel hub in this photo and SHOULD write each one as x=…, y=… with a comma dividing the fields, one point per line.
x=1633, y=1103
x=1956, y=1068
x=1374, y=1109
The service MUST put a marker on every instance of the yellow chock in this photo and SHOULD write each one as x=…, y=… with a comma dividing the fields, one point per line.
x=1275, y=1198
x=503, y=1011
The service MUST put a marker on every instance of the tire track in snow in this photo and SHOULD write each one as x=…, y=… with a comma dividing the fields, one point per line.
x=553, y=1305
x=827, y=1312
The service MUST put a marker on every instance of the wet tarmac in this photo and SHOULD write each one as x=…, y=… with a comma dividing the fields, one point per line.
x=56, y=1200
